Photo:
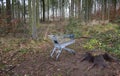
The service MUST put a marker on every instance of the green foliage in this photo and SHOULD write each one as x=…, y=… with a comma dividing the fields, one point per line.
x=7, y=49
x=74, y=27
x=23, y=50
x=111, y=39
x=106, y=38
x=93, y=44
x=90, y=44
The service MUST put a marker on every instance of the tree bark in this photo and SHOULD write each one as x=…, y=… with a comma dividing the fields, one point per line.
x=2, y=12
x=24, y=11
x=43, y=2
x=8, y=9
x=0, y=9
x=48, y=2
x=79, y=9
x=63, y=11
x=13, y=4
x=72, y=9
x=37, y=12
x=34, y=28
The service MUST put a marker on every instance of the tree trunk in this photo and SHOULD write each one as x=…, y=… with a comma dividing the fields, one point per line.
x=103, y=9
x=8, y=9
x=18, y=8
x=95, y=9
x=63, y=11
x=108, y=15
x=34, y=28
x=53, y=10
x=43, y=1
x=0, y=9
x=13, y=9
x=37, y=12
x=29, y=11
x=24, y=11
x=79, y=9
x=2, y=12
x=48, y=9
x=72, y=9
x=56, y=10
x=114, y=7
x=60, y=9
x=86, y=11
x=90, y=4
x=76, y=9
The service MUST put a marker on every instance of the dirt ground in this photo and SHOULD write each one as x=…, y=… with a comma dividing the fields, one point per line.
x=37, y=62
x=67, y=66
x=40, y=64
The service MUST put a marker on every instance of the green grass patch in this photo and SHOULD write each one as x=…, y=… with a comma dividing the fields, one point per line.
x=104, y=37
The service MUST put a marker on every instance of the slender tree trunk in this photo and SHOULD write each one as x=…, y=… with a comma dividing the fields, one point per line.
x=48, y=9
x=76, y=9
x=63, y=11
x=95, y=9
x=108, y=17
x=103, y=9
x=79, y=9
x=37, y=12
x=99, y=12
x=90, y=4
x=13, y=4
x=72, y=9
x=56, y=10
x=86, y=10
x=114, y=7
x=53, y=10
x=69, y=10
x=34, y=28
x=43, y=1
x=8, y=9
x=18, y=8
x=41, y=7
x=60, y=9
x=30, y=12
x=2, y=8
x=24, y=11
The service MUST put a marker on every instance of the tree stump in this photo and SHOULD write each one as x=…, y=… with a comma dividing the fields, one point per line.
x=98, y=58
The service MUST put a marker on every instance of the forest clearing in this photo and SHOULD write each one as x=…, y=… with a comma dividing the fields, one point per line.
x=32, y=58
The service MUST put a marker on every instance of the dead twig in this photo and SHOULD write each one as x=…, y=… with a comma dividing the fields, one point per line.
x=8, y=69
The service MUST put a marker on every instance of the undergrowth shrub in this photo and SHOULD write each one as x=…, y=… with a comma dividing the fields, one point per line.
x=108, y=40
x=74, y=28
x=93, y=44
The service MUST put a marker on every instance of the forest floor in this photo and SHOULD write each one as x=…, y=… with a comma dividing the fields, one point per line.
x=32, y=58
